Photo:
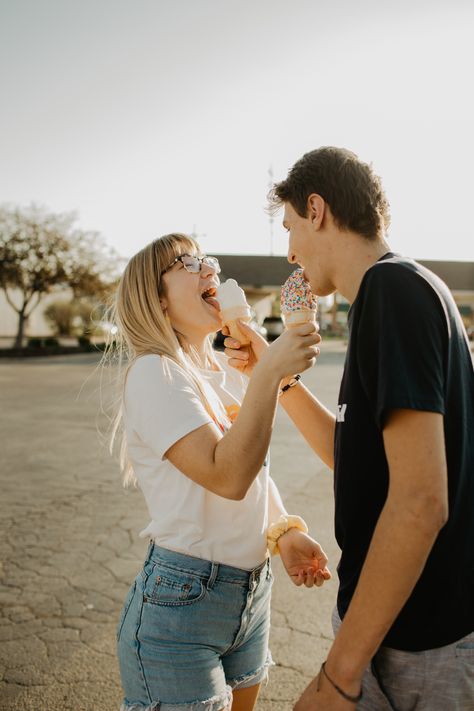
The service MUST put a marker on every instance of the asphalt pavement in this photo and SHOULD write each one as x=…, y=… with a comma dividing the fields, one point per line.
x=69, y=544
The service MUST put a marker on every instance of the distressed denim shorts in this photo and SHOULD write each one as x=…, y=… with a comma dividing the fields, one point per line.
x=192, y=631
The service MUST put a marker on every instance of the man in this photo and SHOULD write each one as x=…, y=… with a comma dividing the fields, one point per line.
x=401, y=446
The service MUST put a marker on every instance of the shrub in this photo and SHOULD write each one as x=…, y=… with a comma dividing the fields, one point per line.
x=35, y=343
x=51, y=342
x=60, y=314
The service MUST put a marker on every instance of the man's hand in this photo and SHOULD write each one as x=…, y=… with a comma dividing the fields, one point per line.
x=324, y=699
x=303, y=558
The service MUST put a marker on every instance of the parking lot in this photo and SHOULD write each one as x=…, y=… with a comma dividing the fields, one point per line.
x=69, y=545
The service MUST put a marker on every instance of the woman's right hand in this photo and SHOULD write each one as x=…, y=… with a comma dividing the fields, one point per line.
x=294, y=351
x=244, y=358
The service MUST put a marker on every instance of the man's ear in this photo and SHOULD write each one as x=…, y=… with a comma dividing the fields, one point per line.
x=316, y=208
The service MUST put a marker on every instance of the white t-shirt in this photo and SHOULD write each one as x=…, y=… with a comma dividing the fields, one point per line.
x=162, y=405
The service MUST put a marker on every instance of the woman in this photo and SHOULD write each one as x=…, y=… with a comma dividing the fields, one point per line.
x=193, y=632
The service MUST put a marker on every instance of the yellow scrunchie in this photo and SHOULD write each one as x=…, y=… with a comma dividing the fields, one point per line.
x=277, y=529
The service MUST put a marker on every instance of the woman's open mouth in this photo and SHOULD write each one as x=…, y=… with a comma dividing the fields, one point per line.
x=209, y=297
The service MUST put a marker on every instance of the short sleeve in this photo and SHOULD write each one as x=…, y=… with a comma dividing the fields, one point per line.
x=402, y=338
x=276, y=507
x=162, y=404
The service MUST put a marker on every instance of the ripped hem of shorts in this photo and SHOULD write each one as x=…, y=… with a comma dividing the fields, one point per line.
x=215, y=703
x=256, y=677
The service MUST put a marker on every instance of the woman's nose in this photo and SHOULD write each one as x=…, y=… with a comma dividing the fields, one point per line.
x=207, y=270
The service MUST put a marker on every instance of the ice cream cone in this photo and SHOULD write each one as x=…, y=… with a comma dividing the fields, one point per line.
x=296, y=318
x=230, y=319
x=233, y=307
x=298, y=304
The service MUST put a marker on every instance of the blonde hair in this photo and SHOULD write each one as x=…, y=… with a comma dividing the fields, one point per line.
x=143, y=329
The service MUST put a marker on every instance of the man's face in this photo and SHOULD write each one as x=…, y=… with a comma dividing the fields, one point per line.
x=309, y=248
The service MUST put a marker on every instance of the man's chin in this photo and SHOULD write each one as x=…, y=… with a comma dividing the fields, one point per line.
x=319, y=289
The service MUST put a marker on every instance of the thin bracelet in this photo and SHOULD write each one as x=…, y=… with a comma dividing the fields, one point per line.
x=291, y=384
x=347, y=697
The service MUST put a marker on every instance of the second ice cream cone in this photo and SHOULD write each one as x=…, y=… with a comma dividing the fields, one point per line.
x=296, y=318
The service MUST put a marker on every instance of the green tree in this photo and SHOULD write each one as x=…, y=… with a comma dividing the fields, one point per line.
x=40, y=250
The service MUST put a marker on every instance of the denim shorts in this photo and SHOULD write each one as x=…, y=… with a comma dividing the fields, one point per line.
x=192, y=631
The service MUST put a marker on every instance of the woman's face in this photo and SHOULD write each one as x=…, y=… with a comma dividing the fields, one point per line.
x=188, y=299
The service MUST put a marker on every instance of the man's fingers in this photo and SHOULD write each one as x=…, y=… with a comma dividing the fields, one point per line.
x=306, y=328
x=312, y=339
x=313, y=353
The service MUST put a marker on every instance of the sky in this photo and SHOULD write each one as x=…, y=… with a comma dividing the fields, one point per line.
x=154, y=116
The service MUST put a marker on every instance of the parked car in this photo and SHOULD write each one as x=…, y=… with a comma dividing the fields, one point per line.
x=274, y=326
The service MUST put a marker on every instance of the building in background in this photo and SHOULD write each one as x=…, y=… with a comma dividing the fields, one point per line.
x=261, y=277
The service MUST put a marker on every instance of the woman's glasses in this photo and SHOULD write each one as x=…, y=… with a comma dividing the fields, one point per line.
x=194, y=264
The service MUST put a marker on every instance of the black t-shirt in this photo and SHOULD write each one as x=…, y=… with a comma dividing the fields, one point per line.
x=407, y=349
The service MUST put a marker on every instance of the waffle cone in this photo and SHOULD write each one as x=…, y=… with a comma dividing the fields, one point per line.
x=230, y=319
x=296, y=318
x=235, y=332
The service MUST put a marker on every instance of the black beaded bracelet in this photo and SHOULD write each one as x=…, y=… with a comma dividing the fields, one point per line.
x=345, y=695
x=289, y=385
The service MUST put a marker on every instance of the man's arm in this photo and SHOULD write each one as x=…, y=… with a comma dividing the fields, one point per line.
x=312, y=419
x=415, y=510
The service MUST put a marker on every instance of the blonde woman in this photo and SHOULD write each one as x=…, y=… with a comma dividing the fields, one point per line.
x=193, y=632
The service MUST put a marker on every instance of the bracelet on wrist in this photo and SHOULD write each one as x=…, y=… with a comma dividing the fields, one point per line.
x=276, y=530
x=353, y=698
x=290, y=384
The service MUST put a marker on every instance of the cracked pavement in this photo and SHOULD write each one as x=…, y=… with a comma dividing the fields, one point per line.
x=69, y=545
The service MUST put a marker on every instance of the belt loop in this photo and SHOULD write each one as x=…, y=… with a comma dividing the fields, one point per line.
x=213, y=576
x=151, y=545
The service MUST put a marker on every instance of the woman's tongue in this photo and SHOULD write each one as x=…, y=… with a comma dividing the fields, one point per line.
x=212, y=301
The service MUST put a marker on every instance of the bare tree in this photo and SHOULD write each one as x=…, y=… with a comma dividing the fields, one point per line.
x=40, y=250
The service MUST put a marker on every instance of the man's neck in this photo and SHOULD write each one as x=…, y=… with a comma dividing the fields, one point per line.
x=356, y=255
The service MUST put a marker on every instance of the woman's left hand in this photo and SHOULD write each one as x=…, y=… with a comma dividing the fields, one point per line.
x=303, y=558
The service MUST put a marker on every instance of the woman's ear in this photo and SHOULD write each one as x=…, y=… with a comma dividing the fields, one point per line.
x=163, y=304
